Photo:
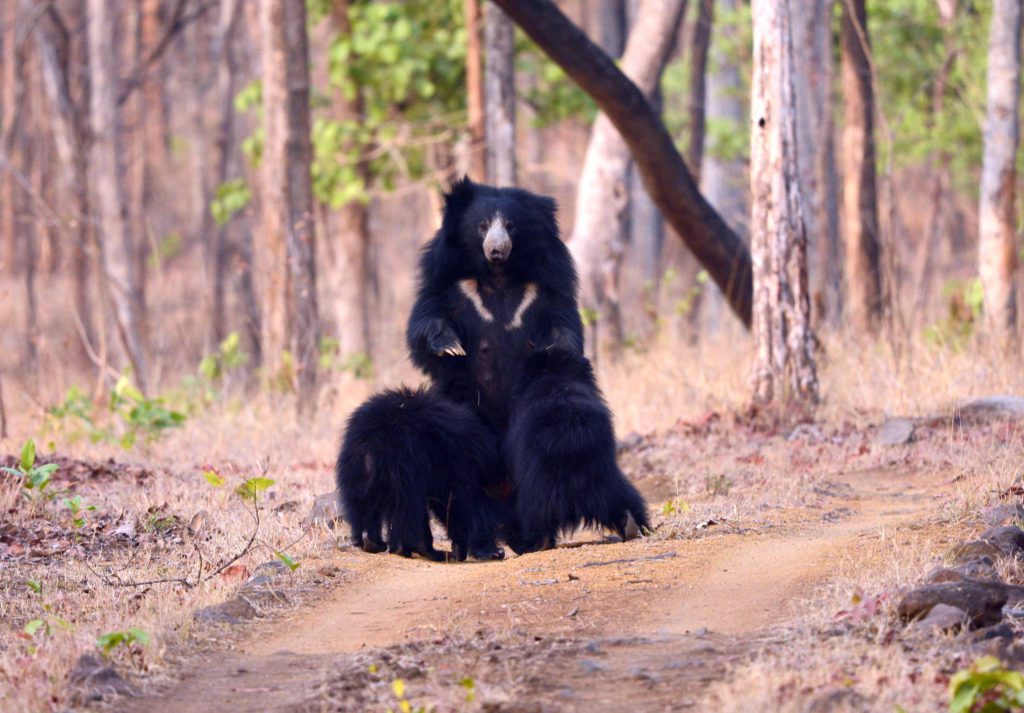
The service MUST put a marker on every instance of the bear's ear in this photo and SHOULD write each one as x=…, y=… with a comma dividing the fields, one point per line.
x=458, y=197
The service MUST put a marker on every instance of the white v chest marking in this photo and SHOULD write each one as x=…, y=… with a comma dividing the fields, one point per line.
x=471, y=292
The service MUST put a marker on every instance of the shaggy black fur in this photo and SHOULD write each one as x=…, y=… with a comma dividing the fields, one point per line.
x=560, y=450
x=409, y=453
x=445, y=321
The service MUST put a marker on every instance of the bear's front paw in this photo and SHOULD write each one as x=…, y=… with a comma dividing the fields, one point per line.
x=446, y=343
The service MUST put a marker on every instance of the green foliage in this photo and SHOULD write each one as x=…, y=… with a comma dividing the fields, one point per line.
x=986, y=687
x=140, y=415
x=289, y=562
x=674, y=507
x=168, y=247
x=213, y=478
x=965, y=301
x=469, y=684
x=229, y=357
x=113, y=639
x=250, y=489
x=551, y=95
x=34, y=478
x=229, y=198
x=78, y=510
x=359, y=364
x=75, y=416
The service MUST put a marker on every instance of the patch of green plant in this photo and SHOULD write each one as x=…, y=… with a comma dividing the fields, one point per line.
x=229, y=198
x=113, y=639
x=675, y=507
x=359, y=364
x=35, y=479
x=250, y=489
x=986, y=687
x=43, y=624
x=469, y=684
x=142, y=417
x=228, y=358
x=289, y=562
x=77, y=510
x=965, y=306
x=76, y=418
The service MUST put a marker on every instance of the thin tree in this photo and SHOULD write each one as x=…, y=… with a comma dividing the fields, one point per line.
x=475, y=92
x=500, y=97
x=860, y=196
x=352, y=276
x=997, y=245
x=288, y=223
x=665, y=175
x=699, y=47
x=784, y=369
x=602, y=197
x=117, y=247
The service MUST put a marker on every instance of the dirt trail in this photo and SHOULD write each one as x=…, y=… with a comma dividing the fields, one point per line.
x=655, y=604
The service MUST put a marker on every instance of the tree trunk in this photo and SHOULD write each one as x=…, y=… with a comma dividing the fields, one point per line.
x=784, y=370
x=475, y=92
x=665, y=175
x=69, y=132
x=500, y=97
x=812, y=56
x=227, y=25
x=12, y=90
x=353, y=270
x=288, y=194
x=115, y=242
x=698, y=84
x=602, y=198
x=997, y=245
x=860, y=199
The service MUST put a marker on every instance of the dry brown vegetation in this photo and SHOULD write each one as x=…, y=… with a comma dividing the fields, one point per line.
x=709, y=467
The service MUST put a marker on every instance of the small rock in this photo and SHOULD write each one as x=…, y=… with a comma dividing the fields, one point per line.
x=593, y=647
x=942, y=617
x=981, y=601
x=233, y=612
x=1008, y=539
x=326, y=510
x=973, y=550
x=837, y=699
x=895, y=432
x=1003, y=514
x=262, y=595
x=198, y=522
x=328, y=570
x=272, y=568
x=590, y=666
x=992, y=406
x=979, y=568
x=1014, y=596
x=999, y=631
x=944, y=574
x=96, y=678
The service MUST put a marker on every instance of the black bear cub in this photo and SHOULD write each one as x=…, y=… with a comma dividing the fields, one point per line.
x=560, y=452
x=409, y=453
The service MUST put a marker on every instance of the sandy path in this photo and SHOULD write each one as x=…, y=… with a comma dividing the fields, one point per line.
x=732, y=585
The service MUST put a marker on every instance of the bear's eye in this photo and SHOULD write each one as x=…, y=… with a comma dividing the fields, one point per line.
x=484, y=225
x=509, y=225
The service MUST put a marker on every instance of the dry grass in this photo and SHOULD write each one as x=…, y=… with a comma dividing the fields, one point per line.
x=744, y=481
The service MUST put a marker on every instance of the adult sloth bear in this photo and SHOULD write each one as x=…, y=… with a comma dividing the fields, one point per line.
x=560, y=449
x=407, y=454
x=494, y=283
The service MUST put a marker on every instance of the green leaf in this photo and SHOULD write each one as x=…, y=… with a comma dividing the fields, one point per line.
x=33, y=626
x=251, y=489
x=35, y=585
x=213, y=478
x=290, y=563
x=28, y=455
x=112, y=639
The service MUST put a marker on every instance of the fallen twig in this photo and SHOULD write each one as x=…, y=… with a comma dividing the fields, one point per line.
x=662, y=556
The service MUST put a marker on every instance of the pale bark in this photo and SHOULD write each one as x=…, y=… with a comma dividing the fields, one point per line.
x=475, y=92
x=812, y=56
x=997, y=245
x=115, y=242
x=602, y=196
x=12, y=90
x=500, y=97
x=288, y=195
x=784, y=369
x=860, y=197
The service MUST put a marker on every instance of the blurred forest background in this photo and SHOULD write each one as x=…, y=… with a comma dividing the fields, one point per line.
x=194, y=191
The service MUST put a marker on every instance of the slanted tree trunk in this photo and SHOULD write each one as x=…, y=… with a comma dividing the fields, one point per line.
x=602, y=197
x=475, y=92
x=860, y=197
x=117, y=248
x=665, y=175
x=812, y=56
x=784, y=370
x=288, y=195
x=500, y=97
x=997, y=245
x=353, y=270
